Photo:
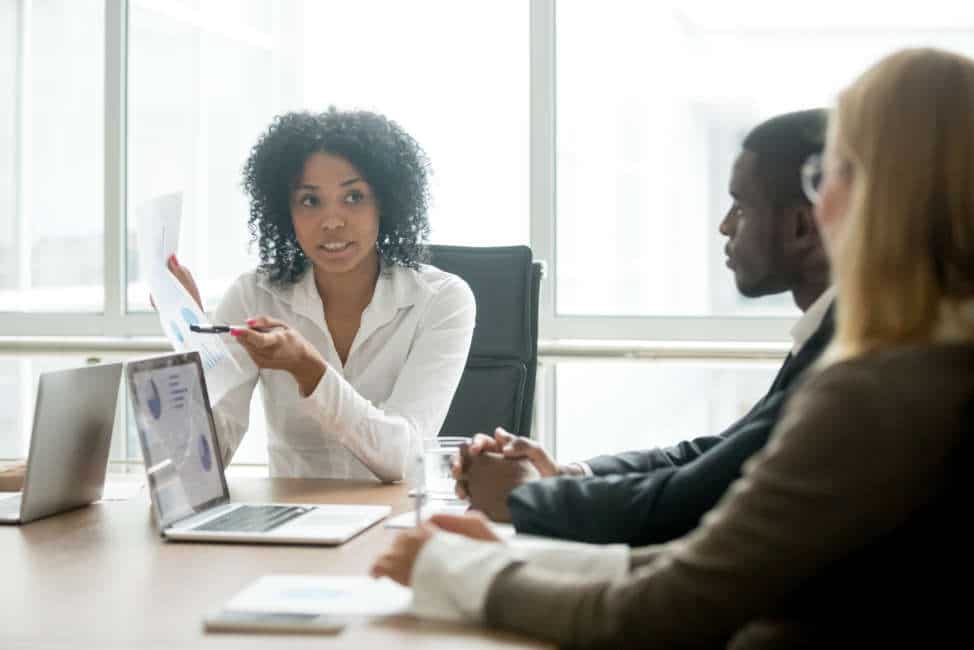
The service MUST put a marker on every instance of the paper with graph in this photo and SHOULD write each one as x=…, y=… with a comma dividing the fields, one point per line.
x=357, y=596
x=158, y=237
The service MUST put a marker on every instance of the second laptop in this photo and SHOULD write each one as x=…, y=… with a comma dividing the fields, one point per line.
x=184, y=469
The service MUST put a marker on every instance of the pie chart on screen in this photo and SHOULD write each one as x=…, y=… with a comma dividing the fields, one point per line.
x=206, y=459
x=155, y=403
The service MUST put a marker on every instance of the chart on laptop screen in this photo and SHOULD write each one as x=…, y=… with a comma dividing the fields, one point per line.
x=181, y=456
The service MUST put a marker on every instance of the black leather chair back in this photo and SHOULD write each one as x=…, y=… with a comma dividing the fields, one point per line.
x=497, y=386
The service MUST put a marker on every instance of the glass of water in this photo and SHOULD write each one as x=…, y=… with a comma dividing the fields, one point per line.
x=438, y=455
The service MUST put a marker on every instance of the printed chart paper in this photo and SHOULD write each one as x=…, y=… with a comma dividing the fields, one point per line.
x=335, y=595
x=158, y=237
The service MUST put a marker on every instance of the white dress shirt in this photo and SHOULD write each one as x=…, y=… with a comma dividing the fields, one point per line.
x=366, y=418
x=805, y=327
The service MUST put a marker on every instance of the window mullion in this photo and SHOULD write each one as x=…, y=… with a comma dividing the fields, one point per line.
x=116, y=114
x=22, y=165
x=543, y=155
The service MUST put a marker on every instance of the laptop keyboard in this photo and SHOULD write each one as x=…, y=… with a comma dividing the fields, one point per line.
x=253, y=519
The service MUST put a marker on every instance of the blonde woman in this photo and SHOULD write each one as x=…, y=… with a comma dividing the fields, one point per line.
x=809, y=546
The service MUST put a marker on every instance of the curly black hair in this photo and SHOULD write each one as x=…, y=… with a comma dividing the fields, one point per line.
x=388, y=158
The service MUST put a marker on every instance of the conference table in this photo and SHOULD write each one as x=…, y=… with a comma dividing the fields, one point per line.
x=101, y=577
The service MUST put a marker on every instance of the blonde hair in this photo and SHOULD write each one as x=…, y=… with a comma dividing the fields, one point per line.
x=904, y=262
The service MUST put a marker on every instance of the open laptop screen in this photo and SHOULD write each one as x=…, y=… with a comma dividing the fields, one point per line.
x=182, y=458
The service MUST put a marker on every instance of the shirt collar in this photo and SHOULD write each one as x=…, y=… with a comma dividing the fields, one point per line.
x=396, y=288
x=803, y=329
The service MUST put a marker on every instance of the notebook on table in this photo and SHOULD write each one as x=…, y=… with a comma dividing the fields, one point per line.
x=308, y=603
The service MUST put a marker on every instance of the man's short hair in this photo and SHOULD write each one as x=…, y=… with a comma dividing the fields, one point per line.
x=782, y=144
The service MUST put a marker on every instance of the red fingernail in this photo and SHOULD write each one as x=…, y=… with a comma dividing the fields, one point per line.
x=234, y=332
x=251, y=321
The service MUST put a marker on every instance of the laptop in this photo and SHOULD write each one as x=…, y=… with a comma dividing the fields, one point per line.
x=73, y=420
x=184, y=469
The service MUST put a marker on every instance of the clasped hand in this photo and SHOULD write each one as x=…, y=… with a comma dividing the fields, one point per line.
x=491, y=467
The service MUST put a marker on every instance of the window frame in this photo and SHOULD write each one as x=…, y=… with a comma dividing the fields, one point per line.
x=116, y=321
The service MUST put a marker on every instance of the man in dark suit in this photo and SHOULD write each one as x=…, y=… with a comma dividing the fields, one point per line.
x=645, y=497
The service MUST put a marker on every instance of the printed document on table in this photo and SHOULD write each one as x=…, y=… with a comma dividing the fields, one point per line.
x=158, y=237
x=310, y=594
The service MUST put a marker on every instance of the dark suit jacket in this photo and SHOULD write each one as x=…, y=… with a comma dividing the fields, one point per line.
x=647, y=497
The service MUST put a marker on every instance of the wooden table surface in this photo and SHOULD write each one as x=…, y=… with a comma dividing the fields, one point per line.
x=101, y=577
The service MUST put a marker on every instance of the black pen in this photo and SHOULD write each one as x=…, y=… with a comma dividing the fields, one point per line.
x=225, y=329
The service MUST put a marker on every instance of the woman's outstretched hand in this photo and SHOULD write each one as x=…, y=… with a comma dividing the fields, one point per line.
x=273, y=344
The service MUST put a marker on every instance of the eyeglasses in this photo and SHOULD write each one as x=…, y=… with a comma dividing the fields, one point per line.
x=812, y=174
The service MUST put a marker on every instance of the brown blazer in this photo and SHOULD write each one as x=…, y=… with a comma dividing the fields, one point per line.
x=844, y=529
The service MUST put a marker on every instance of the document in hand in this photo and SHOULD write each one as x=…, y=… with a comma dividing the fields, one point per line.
x=304, y=603
x=158, y=233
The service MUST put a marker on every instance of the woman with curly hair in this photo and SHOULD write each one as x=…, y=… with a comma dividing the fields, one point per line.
x=358, y=345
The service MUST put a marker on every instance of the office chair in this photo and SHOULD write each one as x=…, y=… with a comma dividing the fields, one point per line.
x=497, y=385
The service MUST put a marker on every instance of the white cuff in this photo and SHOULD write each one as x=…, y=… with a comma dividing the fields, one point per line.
x=452, y=575
x=607, y=562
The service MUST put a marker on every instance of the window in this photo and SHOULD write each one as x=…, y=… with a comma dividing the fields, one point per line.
x=203, y=83
x=653, y=100
x=16, y=397
x=51, y=163
x=205, y=80
x=602, y=134
x=455, y=76
x=9, y=44
x=19, y=377
x=641, y=405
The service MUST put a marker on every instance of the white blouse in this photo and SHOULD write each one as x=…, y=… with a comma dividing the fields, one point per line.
x=366, y=418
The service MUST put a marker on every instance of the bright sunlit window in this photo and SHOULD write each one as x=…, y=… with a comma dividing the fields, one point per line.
x=653, y=100
x=51, y=156
x=205, y=81
x=624, y=116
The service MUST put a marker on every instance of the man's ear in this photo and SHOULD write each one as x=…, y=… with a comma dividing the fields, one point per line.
x=804, y=245
x=803, y=231
x=804, y=222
